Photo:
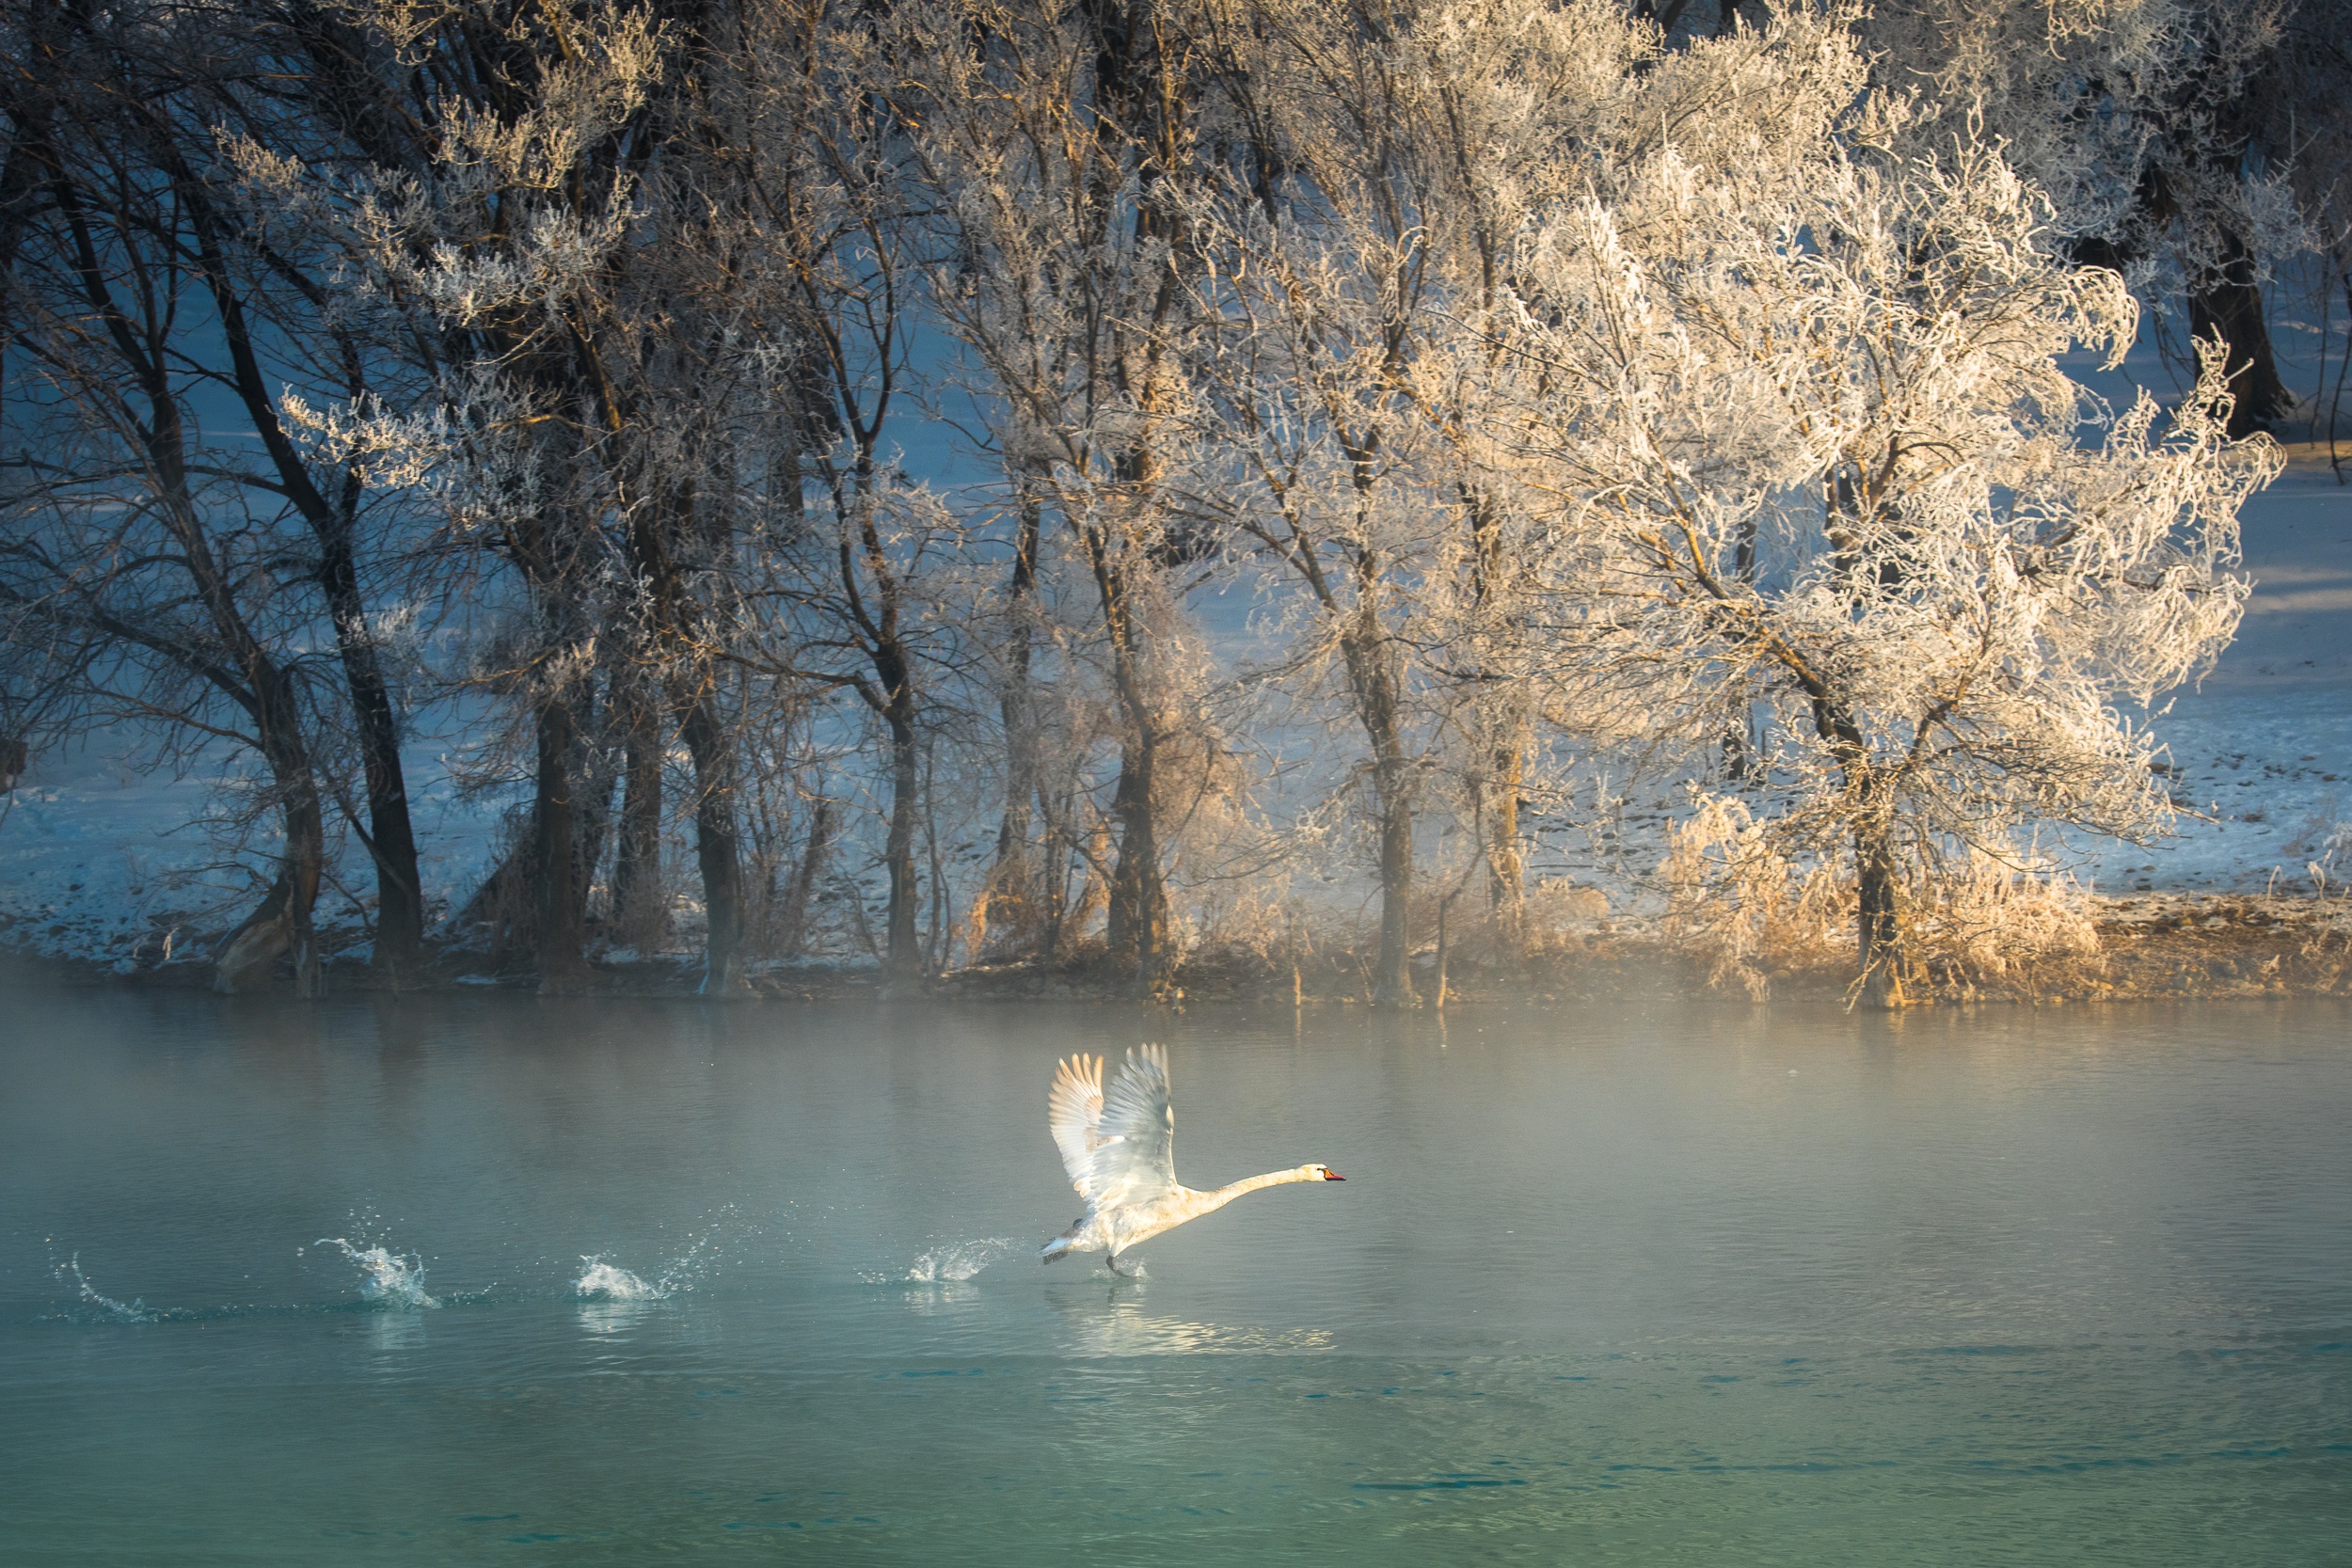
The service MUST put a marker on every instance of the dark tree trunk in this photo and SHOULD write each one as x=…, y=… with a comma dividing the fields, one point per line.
x=902, y=952
x=1377, y=704
x=1142, y=91
x=389, y=837
x=558, y=928
x=2228, y=303
x=1053, y=876
x=1012, y=880
x=1138, y=896
x=717, y=852
x=792, y=937
x=874, y=611
x=31, y=105
x=1137, y=926
x=392, y=837
x=592, y=779
x=1506, y=860
x=718, y=845
x=639, y=908
x=283, y=926
x=1737, y=759
x=1878, y=921
x=1496, y=795
x=1878, y=926
x=1393, y=981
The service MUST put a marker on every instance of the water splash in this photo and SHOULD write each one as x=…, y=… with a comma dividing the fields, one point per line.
x=701, y=1256
x=393, y=1279
x=106, y=1309
x=959, y=1261
x=601, y=1281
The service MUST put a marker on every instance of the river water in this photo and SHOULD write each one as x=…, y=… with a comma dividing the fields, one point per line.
x=484, y=1279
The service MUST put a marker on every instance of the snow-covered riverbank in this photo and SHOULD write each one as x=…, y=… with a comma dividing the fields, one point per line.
x=110, y=864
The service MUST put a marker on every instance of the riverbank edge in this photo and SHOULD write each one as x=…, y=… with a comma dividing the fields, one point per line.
x=2153, y=945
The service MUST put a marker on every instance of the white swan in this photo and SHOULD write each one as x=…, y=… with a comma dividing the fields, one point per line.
x=1120, y=1153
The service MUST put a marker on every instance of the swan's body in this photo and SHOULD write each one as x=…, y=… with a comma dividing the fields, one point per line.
x=1121, y=1152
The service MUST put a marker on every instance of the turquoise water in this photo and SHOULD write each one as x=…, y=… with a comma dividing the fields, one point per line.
x=1677, y=1285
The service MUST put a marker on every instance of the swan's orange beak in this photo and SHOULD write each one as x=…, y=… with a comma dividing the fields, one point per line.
x=1329, y=1175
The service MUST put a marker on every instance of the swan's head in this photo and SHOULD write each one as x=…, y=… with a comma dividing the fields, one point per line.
x=1325, y=1173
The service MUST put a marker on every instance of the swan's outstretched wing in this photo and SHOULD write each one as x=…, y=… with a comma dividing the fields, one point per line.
x=1073, y=1109
x=1134, y=1154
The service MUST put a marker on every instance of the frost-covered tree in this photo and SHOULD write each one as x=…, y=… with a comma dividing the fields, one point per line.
x=496, y=214
x=1380, y=158
x=2298, y=127
x=176, y=557
x=1061, y=144
x=1797, y=399
x=2141, y=121
x=1575, y=369
x=823, y=295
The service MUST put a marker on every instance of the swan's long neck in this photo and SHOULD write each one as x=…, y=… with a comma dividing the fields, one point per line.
x=1226, y=1195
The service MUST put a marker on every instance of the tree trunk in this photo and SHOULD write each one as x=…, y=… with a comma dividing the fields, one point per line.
x=1393, y=982
x=1054, y=880
x=1137, y=926
x=1497, y=803
x=392, y=837
x=592, y=779
x=559, y=929
x=1137, y=931
x=1012, y=888
x=283, y=926
x=1445, y=905
x=717, y=853
x=792, y=935
x=1142, y=91
x=32, y=106
x=1506, y=860
x=1393, y=785
x=640, y=913
x=903, y=953
x=1878, y=926
x=2228, y=303
x=1738, y=759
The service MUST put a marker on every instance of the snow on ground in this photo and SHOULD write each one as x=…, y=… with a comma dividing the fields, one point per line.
x=2264, y=747
x=2264, y=744
x=93, y=853
x=105, y=857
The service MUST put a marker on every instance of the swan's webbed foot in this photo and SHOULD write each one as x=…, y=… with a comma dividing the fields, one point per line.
x=1110, y=1262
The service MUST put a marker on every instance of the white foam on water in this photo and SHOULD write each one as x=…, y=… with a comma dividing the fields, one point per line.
x=395, y=1280
x=601, y=1281
x=108, y=1309
x=959, y=1259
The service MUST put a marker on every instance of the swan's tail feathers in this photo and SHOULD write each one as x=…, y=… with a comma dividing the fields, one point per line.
x=1062, y=1246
